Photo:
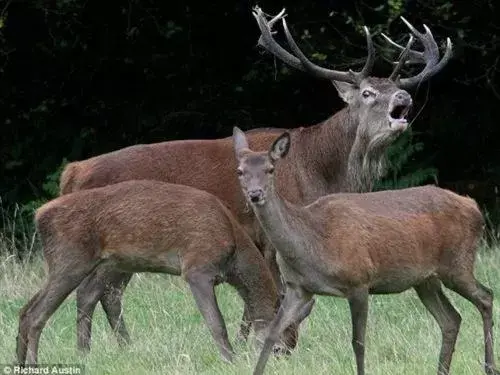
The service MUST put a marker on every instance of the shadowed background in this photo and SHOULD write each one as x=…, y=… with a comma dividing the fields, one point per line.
x=80, y=78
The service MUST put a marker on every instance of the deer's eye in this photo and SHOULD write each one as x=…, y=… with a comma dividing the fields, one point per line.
x=270, y=170
x=367, y=93
x=239, y=172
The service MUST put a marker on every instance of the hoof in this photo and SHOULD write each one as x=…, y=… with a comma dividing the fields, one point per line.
x=490, y=370
x=227, y=357
x=281, y=351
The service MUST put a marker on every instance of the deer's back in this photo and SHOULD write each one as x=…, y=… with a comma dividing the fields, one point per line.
x=207, y=165
x=140, y=219
x=422, y=199
x=417, y=229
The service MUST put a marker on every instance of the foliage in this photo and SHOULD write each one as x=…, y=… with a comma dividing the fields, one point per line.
x=84, y=79
x=17, y=232
x=17, y=235
x=403, y=168
x=50, y=190
x=492, y=228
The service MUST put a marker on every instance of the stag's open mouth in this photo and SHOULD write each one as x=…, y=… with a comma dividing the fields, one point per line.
x=397, y=116
x=399, y=112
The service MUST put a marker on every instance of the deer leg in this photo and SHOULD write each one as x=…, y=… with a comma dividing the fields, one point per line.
x=111, y=302
x=358, y=304
x=431, y=294
x=202, y=287
x=106, y=285
x=482, y=298
x=304, y=311
x=245, y=326
x=88, y=294
x=291, y=332
x=296, y=305
x=49, y=299
x=269, y=253
x=22, y=335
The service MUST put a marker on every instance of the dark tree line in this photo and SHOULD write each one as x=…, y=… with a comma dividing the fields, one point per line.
x=79, y=78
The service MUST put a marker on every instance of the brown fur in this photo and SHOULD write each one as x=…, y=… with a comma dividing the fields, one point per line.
x=351, y=245
x=209, y=165
x=147, y=226
x=344, y=153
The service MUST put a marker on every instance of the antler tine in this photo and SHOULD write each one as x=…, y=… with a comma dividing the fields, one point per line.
x=402, y=59
x=313, y=68
x=267, y=41
x=300, y=61
x=413, y=57
x=276, y=18
x=430, y=56
x=370, y=59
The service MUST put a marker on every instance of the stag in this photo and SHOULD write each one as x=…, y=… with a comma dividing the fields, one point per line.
x=147, y=226
x=351, y=245
x=343, y=153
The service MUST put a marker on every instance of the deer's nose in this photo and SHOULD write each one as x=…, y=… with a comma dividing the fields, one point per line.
x=402, y=97
x=255, y=195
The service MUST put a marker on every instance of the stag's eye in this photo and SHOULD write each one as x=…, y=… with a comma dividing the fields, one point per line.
x=270, y=170
x=367, y=93
x=239, y=172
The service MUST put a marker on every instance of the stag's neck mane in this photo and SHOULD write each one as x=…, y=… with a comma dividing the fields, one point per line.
x=366, y=161
x=335, y=155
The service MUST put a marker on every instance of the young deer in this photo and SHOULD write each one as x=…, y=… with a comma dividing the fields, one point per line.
x=354, y=244
x=147, y=226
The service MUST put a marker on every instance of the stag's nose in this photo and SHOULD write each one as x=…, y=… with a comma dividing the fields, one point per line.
x=255, y=195
x=401, y=97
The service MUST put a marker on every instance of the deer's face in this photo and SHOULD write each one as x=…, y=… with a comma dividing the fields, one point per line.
x=379, y=107
x=256, y=169
x=255, y=172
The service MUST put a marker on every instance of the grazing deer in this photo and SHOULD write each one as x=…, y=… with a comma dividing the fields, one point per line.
x=147, y=226
x=354, y=244
x=343, y=153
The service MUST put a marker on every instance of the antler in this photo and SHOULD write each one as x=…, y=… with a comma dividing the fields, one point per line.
x=430, y=56
x=402, y=58
x=300, y=61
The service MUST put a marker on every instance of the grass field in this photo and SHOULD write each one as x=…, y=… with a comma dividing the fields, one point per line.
x=169, y=336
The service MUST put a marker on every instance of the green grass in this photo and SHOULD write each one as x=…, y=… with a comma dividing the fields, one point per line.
x=169, y=336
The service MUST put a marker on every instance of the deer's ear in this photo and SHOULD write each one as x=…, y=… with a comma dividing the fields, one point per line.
x=280, y=147
x=239, y=142
x=346, y=91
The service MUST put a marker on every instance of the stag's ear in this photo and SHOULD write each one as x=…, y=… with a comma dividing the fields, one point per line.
x=280, y=147
x=239, y=142
x=346, y=91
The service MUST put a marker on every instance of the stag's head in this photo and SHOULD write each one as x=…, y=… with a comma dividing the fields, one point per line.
x=377, y=106
x=256, y=169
